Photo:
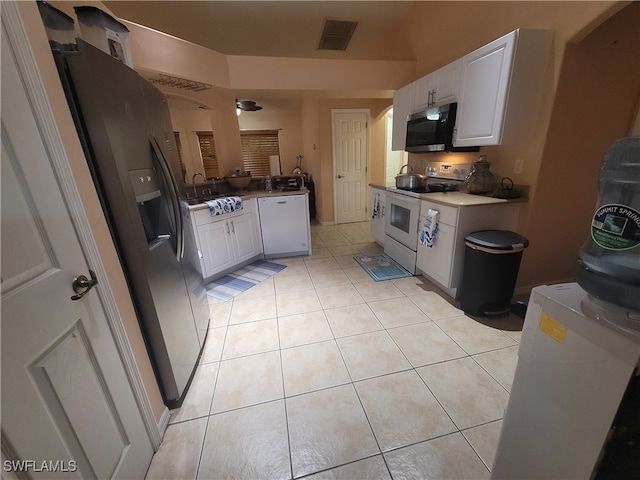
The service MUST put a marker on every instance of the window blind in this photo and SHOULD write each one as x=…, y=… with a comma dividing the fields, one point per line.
x=257, y=147
x=208, y=152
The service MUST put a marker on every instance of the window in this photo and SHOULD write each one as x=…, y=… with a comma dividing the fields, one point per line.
x=208, y=151
x=183, y=169
x=257, y=147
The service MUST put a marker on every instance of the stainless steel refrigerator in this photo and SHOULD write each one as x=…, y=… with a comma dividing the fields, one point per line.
x=124, y=125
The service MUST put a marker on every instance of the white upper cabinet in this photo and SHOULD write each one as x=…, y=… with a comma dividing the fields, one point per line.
x=500, y=84
x=497, y=88
x=446, y=83
x=437, y=88
x=485, y=83
x=424, y=89
x=402, y=107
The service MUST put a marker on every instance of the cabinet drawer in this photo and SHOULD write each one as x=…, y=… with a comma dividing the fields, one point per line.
x=448, y=215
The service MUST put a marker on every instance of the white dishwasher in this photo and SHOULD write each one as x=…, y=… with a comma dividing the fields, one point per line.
x=284, y=221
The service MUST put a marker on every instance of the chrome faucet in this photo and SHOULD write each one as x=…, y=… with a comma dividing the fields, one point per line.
x=193, y=181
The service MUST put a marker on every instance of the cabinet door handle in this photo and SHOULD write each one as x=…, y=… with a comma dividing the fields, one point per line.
x=227, y=224
x=233, y=227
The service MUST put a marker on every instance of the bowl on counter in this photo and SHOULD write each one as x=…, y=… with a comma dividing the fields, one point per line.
x=238, y=181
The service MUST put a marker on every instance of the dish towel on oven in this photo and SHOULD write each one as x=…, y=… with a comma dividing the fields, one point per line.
x=430, y=228
x=375, y=208
x=224, y=205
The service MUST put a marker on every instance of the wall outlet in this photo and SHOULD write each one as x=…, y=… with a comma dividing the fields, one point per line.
x=519, y=166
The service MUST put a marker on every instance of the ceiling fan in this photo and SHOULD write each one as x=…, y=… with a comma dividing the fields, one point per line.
x=247, y=105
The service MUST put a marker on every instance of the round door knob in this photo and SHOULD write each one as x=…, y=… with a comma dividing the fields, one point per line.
x=81, y=285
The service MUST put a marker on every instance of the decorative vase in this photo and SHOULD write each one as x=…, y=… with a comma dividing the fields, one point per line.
x=480, y=179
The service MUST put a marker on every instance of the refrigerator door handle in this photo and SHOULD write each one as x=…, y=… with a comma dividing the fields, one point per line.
x=175, y=203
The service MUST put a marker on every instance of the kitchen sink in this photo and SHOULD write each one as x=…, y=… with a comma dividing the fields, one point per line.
x=198, y=200
x=203, y=198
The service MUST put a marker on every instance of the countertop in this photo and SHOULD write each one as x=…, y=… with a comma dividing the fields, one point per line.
x=457, y=198
x=246, y=195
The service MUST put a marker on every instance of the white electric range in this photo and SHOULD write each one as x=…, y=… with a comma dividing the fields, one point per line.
x=402, y=222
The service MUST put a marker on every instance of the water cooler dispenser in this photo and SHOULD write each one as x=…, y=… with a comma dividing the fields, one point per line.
x=573, y=409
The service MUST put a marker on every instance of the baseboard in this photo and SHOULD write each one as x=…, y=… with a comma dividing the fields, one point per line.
x=163, y=423
x=324, y=224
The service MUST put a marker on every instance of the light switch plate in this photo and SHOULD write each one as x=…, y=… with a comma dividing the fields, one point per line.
x=519, y=166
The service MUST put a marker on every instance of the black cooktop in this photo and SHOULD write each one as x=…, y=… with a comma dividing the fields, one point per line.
x=437, y=187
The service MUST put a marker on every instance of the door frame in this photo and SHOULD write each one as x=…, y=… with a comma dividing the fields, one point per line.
x=334, y=112
x=42, y=110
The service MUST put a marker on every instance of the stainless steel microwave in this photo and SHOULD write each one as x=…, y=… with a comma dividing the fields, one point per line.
x=432, y=131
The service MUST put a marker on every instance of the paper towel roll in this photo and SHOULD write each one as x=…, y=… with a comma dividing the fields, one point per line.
x=274, y=164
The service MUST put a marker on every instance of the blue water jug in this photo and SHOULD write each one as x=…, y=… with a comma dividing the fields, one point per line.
x=609, y=260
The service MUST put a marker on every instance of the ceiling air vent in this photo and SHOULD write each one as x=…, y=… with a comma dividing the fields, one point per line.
x=336, y=34
x=177, y=82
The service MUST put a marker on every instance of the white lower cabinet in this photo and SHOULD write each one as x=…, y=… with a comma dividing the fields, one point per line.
x=215, y=247
x=245, y=237
x=228, y=240
x=437, y=261
x=443, y=263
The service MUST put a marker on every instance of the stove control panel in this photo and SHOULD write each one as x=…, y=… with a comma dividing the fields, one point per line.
x=448, y=171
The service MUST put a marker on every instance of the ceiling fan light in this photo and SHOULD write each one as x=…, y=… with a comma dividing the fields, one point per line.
x=247, y=105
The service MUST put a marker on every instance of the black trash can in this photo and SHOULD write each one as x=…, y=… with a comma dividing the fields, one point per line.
x=491, y=263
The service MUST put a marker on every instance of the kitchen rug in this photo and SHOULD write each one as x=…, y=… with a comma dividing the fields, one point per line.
x=381, y=266
x=227, y=287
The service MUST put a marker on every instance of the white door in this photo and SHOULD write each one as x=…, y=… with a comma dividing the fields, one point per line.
x=68, y=409
x=350, y=160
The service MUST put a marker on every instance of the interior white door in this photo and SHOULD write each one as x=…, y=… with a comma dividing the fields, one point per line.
x=350, y=159
x=68, y=409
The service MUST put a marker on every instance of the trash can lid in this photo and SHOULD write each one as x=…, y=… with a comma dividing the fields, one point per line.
x=498, y=239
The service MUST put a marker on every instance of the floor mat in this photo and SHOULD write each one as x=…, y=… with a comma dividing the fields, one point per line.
x=227, y=287
x=381, y=267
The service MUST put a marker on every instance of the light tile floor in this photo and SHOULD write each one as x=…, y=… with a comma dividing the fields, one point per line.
x=321, y=372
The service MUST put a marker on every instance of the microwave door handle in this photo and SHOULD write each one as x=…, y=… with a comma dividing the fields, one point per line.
x=175, y=204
